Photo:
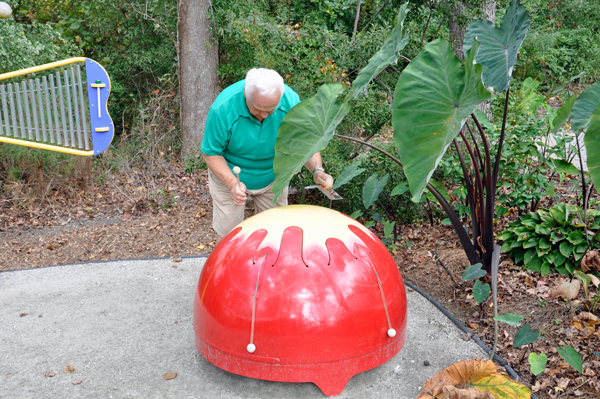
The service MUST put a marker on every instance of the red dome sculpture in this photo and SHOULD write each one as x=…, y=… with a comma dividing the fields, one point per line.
x=300, y=294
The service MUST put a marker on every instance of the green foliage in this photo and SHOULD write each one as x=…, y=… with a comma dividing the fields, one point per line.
x=372, y=188
x=473, y=272
x=537, y=362
x=349, y=172
x=341, y=155
x=134, y=41
x=499, y=46
x=510, y=319
x=525, y=336
x=570, y=355
x=26, y=45
x=551, y=238
x=433, y=98
x=561, y=44
x=306, y=130
x=592, y=143
x=481, y=291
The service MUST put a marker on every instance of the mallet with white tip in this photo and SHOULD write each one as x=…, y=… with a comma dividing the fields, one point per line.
x=237, y=171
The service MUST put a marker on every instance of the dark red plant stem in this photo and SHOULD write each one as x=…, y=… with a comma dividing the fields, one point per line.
x=487, y=238
x=479, y=188
x=470, y=190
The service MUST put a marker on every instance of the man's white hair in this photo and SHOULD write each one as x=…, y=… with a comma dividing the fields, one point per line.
x=264, y=82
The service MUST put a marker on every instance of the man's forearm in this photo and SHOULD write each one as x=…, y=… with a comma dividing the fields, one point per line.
x=219, y=167
x=314, y=162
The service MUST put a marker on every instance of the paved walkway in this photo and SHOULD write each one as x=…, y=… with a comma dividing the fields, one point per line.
x=123, y=324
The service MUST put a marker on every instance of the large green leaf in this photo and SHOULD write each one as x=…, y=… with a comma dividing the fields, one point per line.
x=562, y=114
x=387, y=55
x=592, y=145
x=349, y=173
x=372, y=188
x=473, y=272
x=584, y=107
x=306, y=129
x=499, y=46
x=433, y=98
x=537, y=362
x=571, y=356
x=510, y=318
x=525, y=336
x=481, y=291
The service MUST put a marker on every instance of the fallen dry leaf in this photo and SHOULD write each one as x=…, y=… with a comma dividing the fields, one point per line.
x=586, y=317
x=22, y=314
x=450, y=392
x=76, y=382
x=177, y=259
x=595, y=280
x=69, y=369
x=562, y=382
x=590, y=262
x=200, y=247
x=468, y=374
x=50, y=374
x=169, y=376
x=567, y=290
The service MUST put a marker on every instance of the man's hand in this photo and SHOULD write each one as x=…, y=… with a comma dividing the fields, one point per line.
x=238, y=193
x=323, y=179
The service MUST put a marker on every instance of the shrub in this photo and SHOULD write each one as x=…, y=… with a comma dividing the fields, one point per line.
x=23, y=46
x=552, y=238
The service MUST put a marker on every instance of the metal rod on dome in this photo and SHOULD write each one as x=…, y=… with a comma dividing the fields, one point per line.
x=251, y=347
x=41, y=109
x=12, y=110
x=34, y=110
x=65, y=136
x=391, y=332
x=82, y=104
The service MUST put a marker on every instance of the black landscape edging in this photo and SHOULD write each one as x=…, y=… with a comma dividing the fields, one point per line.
x=464, y=328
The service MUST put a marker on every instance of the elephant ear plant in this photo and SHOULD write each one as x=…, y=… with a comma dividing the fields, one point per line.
x=433, y=106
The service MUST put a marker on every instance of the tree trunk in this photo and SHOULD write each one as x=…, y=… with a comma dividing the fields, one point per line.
x=489, y=12
x=457, y=30
x=198, y=57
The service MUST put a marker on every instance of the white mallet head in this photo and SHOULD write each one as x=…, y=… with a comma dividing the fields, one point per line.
x=5, y=10
x=236, y=170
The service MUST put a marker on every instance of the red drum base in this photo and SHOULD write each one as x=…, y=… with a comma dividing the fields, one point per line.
x=300, y=294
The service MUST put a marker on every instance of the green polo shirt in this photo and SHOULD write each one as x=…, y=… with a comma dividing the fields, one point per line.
x=231, y=131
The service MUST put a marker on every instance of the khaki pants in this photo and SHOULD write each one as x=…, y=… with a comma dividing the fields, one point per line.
x=226, y=215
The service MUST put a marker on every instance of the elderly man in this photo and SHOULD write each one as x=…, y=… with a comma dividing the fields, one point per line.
x=240, y=130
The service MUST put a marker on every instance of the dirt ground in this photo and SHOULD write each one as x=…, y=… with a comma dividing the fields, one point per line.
x=169, y=214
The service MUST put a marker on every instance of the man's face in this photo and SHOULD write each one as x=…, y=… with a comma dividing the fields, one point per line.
x=262, y=106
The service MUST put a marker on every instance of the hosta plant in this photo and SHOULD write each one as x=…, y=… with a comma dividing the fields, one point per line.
x=552, y=238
